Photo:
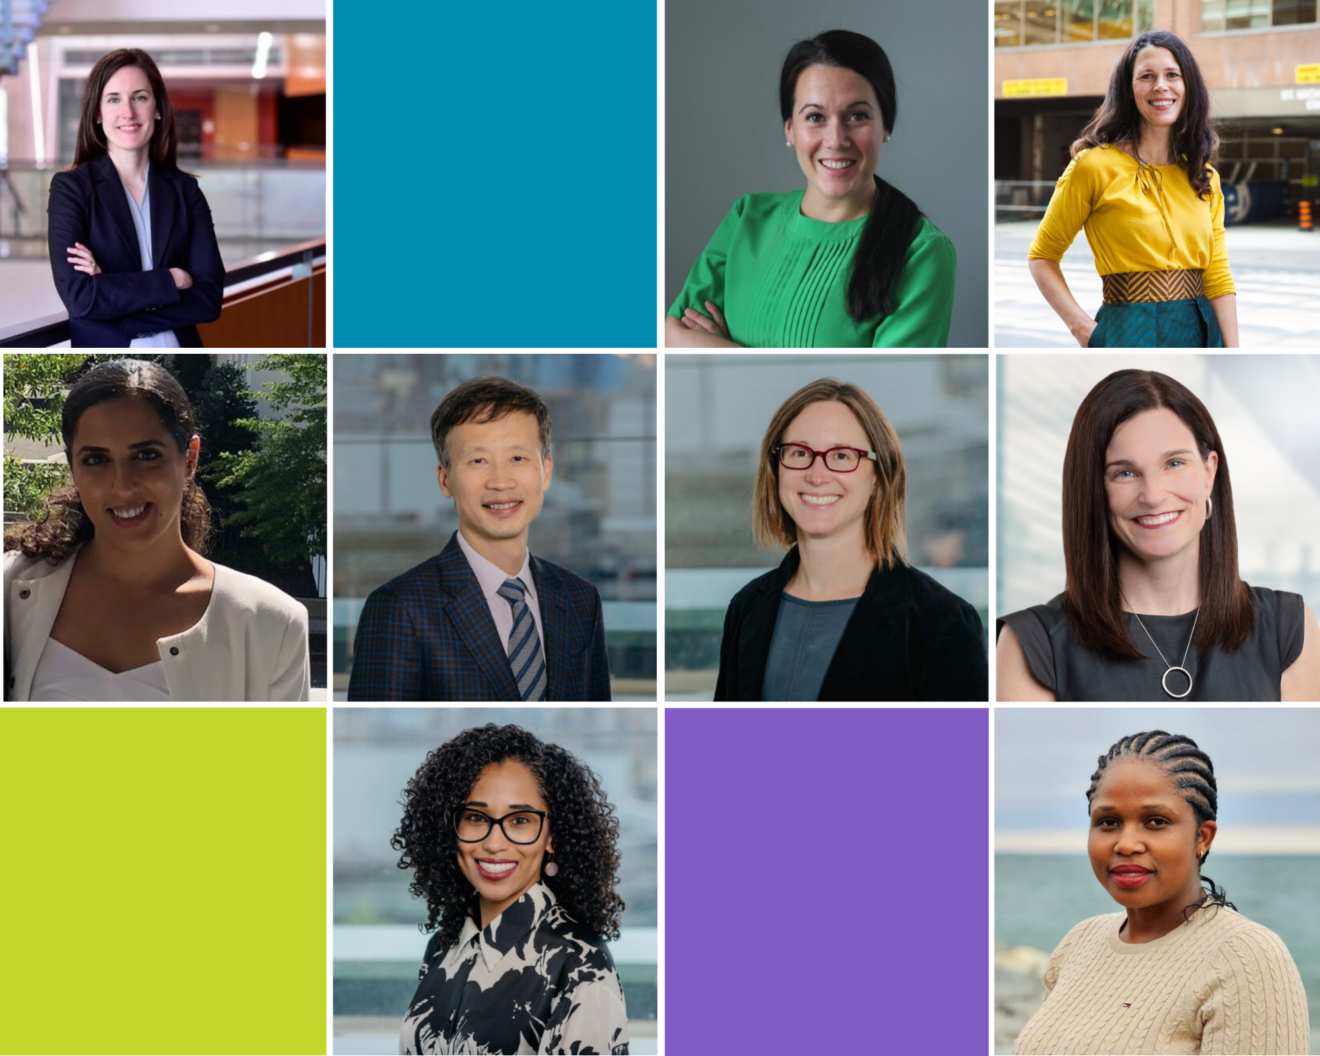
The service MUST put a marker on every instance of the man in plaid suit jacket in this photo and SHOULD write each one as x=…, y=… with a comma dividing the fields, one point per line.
x=483, y=619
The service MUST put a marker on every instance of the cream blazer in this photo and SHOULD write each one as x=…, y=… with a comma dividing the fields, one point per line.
x=250, y=644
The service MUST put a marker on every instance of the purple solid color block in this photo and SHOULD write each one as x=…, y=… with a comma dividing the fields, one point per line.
x=826, y=885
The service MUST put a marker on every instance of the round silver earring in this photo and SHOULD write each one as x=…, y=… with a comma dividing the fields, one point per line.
x=788, y=143
x=551, y=868
x=1209, y=507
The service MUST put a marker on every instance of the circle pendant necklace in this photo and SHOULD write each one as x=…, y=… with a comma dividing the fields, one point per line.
x=1171, y=669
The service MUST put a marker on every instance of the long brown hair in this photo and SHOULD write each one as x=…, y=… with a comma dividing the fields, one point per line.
x=164, y=148
x=63, y=525
x=1117, y=121
x=886, y=538
x=1091, y=598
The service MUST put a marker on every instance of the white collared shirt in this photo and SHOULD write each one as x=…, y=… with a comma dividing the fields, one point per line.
x=490, y=577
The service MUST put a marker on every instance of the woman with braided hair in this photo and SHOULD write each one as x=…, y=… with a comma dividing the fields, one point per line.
x=1153, y=607
x=514, y=847
x=1178, y=970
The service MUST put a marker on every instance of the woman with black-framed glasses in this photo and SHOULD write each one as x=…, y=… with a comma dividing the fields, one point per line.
x=844, y=617
x=512, y=843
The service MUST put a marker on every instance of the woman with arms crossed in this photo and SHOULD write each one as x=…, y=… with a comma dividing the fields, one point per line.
x=850, y=262
x=1178, y=970
x=1153, y=608
x=108, y=596
x=132, y=246
x=844, y=617
x=513, y=845
x=1142, y=184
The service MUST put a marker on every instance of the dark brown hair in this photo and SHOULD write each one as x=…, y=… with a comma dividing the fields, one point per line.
x=886, y=538
x=1118, y=121
x=64, y=525
x=1091, y=598
x=91, y=144
x=484, y=400
x=877, y=263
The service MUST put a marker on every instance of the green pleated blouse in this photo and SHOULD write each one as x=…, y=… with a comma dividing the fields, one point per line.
x=781, y=280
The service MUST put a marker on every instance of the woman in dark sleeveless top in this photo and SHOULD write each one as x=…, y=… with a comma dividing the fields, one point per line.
x=1153, y=608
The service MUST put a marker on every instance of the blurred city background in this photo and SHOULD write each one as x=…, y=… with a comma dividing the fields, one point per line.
x=247, y=80
x=599, y=517
x=1261, y=62
x=377, y=943
x=717, y=408
x=1266, y=853
x=1265, y=409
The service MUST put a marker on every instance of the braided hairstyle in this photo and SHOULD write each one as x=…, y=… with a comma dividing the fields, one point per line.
x=1192, y=774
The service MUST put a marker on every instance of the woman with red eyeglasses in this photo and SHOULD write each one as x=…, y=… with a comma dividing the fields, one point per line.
x=844, y=617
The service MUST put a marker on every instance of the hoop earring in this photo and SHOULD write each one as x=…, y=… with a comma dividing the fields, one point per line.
x=1209, y=507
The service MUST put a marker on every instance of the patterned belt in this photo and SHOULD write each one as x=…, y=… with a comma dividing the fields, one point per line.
x=1129, y=287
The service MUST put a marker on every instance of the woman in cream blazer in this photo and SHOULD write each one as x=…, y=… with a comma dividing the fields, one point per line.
x=250, y=644
x=107, y=595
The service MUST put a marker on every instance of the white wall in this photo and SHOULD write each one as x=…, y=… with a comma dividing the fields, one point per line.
x=192, y=11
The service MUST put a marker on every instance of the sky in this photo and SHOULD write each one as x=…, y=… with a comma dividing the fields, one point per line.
x=1267, y=764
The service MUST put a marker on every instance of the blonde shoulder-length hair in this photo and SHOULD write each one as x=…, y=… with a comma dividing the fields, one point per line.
x=886, y=537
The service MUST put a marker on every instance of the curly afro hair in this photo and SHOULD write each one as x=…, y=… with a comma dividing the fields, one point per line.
x=582, y=820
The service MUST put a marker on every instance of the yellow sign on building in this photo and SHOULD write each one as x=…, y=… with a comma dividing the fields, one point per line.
x=1039, y=86
x=1309, y=74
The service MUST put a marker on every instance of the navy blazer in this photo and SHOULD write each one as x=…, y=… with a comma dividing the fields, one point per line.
x=88, y=205
x=428, y=635
x=908, y=639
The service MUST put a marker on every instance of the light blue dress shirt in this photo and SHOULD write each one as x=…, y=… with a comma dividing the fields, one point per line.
x=142, y=224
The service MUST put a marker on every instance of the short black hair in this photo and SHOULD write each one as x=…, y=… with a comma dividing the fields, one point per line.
x=484, y=400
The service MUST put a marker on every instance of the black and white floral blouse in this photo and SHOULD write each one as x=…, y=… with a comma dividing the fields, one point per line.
x=532, y=981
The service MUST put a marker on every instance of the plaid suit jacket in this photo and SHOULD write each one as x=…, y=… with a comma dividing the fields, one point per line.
x=428, y=635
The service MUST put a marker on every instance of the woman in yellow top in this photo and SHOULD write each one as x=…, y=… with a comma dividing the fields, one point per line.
x=1142, y=185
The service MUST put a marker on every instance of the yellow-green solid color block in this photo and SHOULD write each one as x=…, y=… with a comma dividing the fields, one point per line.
x=162, y=886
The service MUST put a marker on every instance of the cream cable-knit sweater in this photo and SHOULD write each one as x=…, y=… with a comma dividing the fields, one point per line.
x=1217, y=984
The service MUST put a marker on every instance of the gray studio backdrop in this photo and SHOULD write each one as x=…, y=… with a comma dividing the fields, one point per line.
x=724, y=138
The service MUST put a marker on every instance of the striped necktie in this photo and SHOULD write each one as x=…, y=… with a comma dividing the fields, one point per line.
x=524, y=643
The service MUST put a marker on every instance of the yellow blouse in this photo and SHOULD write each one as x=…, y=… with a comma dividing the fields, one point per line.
x=1137, y=218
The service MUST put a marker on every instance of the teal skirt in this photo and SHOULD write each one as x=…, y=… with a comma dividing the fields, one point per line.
x=1157, y=324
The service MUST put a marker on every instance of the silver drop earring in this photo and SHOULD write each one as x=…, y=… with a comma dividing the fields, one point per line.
x=1209, y=507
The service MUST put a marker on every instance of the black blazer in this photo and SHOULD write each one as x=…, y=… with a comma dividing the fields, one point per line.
x=88, y=205
x=908, y=639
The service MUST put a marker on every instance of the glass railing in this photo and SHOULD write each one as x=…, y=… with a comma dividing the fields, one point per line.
x=267, y=201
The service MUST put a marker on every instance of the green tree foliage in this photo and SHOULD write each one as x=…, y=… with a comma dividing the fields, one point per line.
x=281, y=483
x=33, y=397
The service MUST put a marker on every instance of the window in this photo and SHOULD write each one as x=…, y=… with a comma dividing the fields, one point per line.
x=1220, y=15
x=1027, y=23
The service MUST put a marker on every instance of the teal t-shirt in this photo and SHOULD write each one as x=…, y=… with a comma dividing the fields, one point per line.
x=781, y=280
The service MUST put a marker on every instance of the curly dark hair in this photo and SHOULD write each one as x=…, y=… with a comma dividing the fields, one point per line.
x=1118, y=121
x=63, y=525
x=582, y=820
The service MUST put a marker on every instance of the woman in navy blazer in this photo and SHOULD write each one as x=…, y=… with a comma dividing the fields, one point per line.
x=132, y=246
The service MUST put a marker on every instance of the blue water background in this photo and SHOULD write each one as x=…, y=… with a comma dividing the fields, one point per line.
x=1039, y=897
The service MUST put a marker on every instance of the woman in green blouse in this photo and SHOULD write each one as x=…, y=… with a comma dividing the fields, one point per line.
x=849, y=262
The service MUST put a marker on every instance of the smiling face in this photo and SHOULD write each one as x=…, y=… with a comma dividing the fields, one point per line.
x=822, y=502
x=1157, y=485
x=130, y=474
x=496, y=477
x=1144, y=839
x=501, y=870
x=1157, y=87
x=837, y=130
x=128, y=109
